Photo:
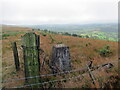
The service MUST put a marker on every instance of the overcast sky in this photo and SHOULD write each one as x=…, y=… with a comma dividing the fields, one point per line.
x=59, y=11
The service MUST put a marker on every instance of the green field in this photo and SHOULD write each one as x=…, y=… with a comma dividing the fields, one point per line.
x=100, y=35
x=94, y=31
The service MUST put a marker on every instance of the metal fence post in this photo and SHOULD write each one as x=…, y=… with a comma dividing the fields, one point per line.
x=16, y=57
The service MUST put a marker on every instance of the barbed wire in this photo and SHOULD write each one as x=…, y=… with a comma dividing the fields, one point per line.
x=65, y=79
x=47, y=75
x=44, y=75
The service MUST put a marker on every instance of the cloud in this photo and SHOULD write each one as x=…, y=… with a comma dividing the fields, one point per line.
x=58, y=11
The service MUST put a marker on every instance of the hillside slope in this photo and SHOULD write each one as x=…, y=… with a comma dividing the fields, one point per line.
x=82, y=50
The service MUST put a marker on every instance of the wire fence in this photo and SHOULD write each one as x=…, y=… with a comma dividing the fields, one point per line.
x=65, y=79
x=44, y=75
x=60, y=80
x=47, y=75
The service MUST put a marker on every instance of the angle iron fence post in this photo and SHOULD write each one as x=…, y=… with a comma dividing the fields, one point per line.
x=92, y=76
x=16, y=57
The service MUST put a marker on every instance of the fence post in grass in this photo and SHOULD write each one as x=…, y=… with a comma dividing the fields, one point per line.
x=30, y=44
x=60, y=58
x=16, y=57
x=92, y=77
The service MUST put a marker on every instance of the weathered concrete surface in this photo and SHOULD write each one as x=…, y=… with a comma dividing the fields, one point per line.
x=60, y=58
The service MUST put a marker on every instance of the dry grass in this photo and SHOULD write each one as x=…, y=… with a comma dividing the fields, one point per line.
x=81, y=50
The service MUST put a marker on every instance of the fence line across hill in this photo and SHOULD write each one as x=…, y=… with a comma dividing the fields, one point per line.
x=60, y=63
x=47, y=75
x=44, y=75
x=65, y=79
x=60, y=80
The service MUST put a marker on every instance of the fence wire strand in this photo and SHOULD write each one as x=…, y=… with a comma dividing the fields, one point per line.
x=47, y=75
x=44, y=75
x=65, y=79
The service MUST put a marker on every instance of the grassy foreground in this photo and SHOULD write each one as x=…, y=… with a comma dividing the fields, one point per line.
x=82, y=50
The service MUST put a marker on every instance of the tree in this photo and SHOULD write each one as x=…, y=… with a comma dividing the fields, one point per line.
x=87, y=36
x=45, y=30
x=75, y=35
x=66, y=33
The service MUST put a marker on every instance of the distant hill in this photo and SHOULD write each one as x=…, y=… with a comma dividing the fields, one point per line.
x=94, y=31
x=77, y=28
